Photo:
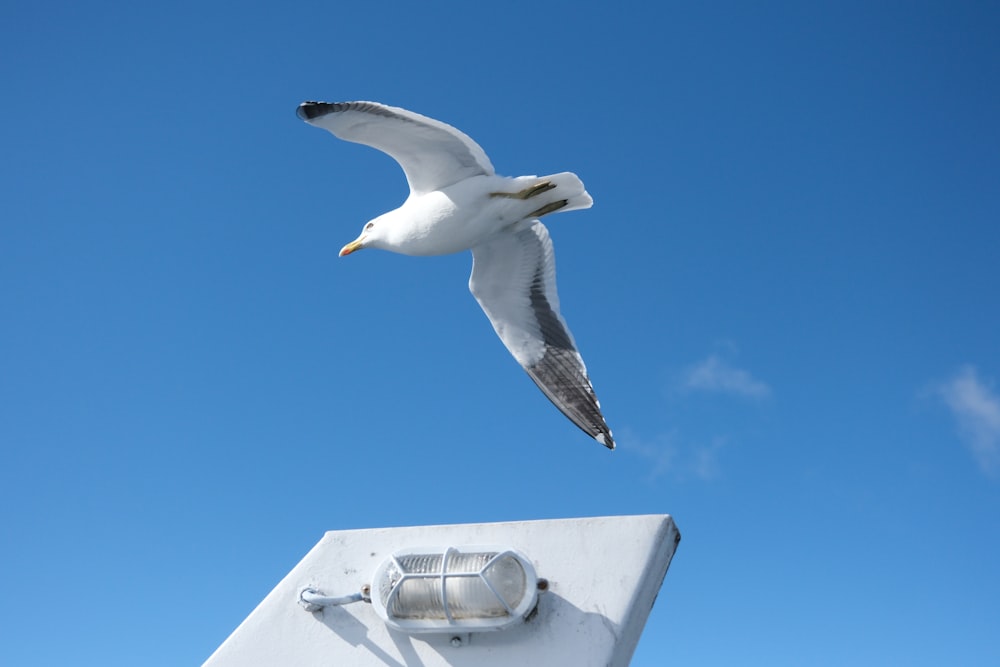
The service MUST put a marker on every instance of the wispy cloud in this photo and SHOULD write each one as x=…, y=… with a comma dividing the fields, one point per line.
x=714, y=374
x=976, y=408
x=668, y=456
x=695, y=453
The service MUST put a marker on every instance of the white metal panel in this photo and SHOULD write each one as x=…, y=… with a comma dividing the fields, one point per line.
x=604, y=574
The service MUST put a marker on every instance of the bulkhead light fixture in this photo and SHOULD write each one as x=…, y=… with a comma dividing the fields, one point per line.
x=467, y=589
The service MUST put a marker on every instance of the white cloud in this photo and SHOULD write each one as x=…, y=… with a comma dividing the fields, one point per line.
x=706, y=460
x=976, y=408
x=716, y=375
x=660, y=456
x=666, y=455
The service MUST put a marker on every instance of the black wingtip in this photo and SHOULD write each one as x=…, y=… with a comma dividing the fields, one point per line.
x=309, y=110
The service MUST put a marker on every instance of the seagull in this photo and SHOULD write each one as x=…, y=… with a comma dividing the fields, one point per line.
x=457, y=202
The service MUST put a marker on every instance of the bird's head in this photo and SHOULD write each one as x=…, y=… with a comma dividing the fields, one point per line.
x=371, y=236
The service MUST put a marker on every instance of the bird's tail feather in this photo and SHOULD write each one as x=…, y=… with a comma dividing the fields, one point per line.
x=569, y=187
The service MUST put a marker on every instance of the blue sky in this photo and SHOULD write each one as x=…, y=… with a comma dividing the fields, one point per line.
x=785, y=294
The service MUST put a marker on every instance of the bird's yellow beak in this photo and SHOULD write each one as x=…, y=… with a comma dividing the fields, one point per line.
x=356, y=244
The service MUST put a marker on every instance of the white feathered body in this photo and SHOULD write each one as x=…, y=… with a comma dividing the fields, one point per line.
x=459, y=216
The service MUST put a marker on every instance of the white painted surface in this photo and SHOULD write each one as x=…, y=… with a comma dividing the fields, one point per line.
x=604, y=574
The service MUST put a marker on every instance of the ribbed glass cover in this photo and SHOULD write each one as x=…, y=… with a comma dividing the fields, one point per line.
x=418, y=592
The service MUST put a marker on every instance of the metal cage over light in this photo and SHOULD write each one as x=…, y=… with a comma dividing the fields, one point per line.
x=466, y=589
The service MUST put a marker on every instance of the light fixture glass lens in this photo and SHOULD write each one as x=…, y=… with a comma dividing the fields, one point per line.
x=418, y=598
x=388, y=581
x=413, y=584
x=470, y=597
x=507, y=578
x=454, y=586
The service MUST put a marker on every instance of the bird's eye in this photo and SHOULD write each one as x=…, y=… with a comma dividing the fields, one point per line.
x=369, y=226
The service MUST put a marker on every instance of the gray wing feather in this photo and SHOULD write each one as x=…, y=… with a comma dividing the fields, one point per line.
x=514, y=281
x=433, y=154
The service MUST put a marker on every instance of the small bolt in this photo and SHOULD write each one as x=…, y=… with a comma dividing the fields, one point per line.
x=543, y=584
x=456, y=641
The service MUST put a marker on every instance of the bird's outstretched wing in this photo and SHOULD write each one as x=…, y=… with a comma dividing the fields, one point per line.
x=514, y=280
x=433, y=154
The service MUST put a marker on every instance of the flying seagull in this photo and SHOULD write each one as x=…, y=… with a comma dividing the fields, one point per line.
x=457, y=202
